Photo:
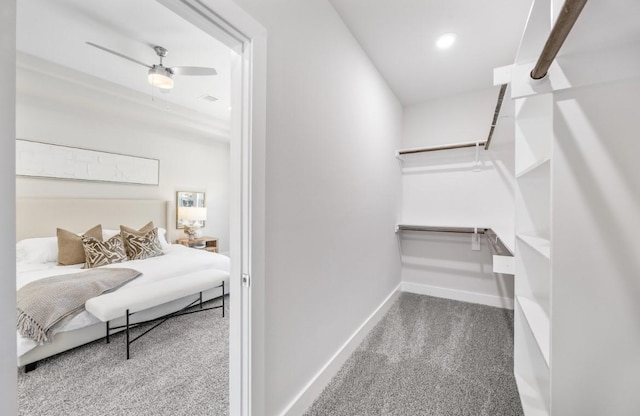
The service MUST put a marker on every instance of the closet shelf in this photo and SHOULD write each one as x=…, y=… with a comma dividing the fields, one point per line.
x=539, y=244
x=533, y=167
x=534, y=402
x=538, y=322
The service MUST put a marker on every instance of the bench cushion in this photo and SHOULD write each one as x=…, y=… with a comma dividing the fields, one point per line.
x=115, y=304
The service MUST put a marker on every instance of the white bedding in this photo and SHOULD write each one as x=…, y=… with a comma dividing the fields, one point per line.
x=178, y=260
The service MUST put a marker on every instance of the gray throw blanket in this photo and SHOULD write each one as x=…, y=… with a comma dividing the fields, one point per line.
x=44, y=303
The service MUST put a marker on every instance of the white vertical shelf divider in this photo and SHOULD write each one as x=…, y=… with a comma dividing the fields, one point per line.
x=533, y=164
x=532, y=356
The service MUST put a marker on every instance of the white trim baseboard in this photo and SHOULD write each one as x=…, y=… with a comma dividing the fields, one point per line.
x=461, y=295
x=312, y=390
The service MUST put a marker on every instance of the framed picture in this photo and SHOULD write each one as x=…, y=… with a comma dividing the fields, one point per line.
x=52, y=161
x=188, y=199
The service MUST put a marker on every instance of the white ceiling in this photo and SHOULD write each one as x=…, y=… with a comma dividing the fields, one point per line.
x=57, y=30
x=399, y=36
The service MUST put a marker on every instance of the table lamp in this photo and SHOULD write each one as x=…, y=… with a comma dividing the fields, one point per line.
x=191, y=217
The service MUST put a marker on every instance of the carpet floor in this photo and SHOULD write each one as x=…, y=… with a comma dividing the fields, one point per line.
x=429, y=356
x=179, y=368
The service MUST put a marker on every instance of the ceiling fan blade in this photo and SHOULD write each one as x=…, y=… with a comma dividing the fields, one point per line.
x=118, y=54
x=192, y=70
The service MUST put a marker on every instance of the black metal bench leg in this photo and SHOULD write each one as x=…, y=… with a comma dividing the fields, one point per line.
x=108, y=331
x=223, y=299
x=30, y=367
x=127, y=331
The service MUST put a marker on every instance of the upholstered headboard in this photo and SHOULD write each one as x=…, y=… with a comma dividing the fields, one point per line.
x=39, y=217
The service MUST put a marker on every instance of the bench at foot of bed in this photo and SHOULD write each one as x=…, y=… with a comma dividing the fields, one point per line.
x=130, y=300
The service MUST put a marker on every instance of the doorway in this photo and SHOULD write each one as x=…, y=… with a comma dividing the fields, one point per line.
x=247, y=156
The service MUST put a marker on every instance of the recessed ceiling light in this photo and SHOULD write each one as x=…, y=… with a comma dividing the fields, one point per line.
x=445, y=41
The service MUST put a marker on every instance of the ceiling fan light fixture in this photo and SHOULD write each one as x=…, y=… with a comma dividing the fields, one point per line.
x=160, y=77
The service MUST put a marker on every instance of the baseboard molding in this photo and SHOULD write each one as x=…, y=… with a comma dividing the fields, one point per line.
x=313, y=389
x=461, y=295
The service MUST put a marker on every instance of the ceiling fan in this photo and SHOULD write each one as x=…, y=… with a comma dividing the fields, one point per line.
x=159, y=75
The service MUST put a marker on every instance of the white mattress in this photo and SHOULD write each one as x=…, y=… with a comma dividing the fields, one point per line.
x=178, y=260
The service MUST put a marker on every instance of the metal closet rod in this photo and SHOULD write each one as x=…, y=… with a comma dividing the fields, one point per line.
x=496, y=113
x=463, y=230
x=436, y=148
x=566, y=19
x=485, y=143
x=492, y=237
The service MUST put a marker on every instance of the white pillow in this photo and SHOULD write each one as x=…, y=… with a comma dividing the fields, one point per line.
x=107, y=234
x=37, y=250
x=162, y=236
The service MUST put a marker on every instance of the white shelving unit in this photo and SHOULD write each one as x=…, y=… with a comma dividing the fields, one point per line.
x=532, y=356
x=576, y=337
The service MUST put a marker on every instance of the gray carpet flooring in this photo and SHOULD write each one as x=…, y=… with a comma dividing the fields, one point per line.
x=429, y=356
x=179, y=368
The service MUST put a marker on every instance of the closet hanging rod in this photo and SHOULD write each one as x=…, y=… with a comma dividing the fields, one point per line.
x=436, y=148
x=496, y=113
x=463, y=230
x=565, y=21
x=492, y=237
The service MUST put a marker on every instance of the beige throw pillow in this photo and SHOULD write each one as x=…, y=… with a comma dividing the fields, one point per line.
x=142, y=231
x=70, y=249
x=141, y=247
x=100, y=253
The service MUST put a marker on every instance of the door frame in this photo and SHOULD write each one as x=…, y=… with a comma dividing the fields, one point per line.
x=225, y=20
x=231, y=25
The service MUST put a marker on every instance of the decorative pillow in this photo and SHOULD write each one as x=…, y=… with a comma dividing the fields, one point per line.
x=100, y=253
x=70, y=249
x=142, y=247
x=142, y=231
x=37, y=250
x=162, y=234
x=107, y=234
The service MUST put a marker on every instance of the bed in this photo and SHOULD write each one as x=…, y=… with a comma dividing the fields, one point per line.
x=39, y=218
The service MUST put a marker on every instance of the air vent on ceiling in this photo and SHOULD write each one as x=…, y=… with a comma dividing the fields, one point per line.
x=209, y=98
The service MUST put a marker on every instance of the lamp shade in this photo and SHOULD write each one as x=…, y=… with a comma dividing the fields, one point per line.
x=192, y=214
x=160, y=77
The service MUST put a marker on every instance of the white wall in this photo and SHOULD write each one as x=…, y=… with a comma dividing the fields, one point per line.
x=8, y=403
x=595, y=224
x=52, y=108
x=443, y=189
x=332, y=188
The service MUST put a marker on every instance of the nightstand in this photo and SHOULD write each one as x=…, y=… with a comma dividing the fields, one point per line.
x=202, y=243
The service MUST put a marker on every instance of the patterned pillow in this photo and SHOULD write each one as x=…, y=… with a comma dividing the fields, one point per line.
x=142, y=231
x=100, y=253
x=142, y=246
